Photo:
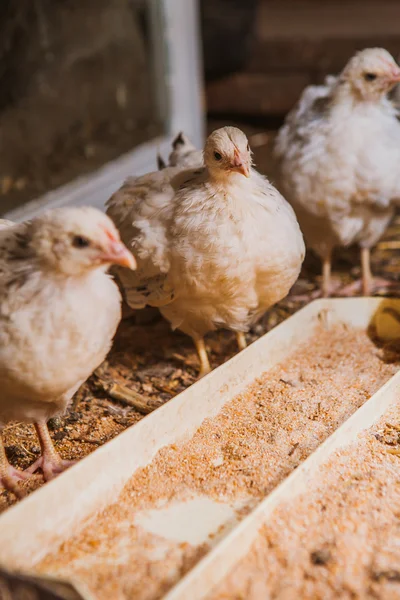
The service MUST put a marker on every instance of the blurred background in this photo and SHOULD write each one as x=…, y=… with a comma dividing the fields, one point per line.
x=84, y=82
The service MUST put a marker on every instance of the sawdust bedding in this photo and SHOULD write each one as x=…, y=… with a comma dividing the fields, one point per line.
x=243, y=453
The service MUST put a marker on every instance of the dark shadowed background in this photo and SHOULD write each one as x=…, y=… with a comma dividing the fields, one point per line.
x=76, y=88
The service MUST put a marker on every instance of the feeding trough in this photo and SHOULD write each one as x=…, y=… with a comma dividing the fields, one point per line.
x=171, y=504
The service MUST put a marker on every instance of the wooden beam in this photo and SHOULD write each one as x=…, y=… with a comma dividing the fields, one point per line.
x=255, y=94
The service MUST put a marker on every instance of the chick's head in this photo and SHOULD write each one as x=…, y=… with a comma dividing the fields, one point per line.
x=371, y=73
x=227, y=152
x=73, y=241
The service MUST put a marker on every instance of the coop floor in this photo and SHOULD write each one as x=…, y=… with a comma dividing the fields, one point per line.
x=159, y=364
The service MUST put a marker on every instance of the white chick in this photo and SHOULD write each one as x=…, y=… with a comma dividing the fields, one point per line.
x=340, y=152
x=59, y=311
x=216, y=247
x=184, y=154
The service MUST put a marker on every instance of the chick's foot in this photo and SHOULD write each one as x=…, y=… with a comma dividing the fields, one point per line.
x=10, y=479
x=358, y=287
x=322, y=291
x=51, y=466
x=50, y=461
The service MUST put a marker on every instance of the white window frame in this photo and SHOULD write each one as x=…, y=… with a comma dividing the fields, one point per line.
x=175, y=30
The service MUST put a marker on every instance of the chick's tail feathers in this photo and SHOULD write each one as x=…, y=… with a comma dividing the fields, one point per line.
x=151, y=291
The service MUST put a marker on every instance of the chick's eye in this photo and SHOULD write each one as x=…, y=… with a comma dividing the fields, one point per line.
x=80, y=242
x=217, y=156
x=370, y=76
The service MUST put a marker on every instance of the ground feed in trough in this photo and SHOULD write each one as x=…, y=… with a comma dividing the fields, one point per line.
x=339, y=540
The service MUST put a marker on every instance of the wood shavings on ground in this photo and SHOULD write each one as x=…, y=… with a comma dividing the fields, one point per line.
x=236, y=458
x=341, y=539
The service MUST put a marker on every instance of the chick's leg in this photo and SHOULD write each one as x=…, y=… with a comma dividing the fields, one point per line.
x=50, y=461
x=326, y=276
x=367, y=284
x=9, y=476
x=370, y=283
x=202, y=352
x=327, y=288
x=241, y=340
x=367, y=279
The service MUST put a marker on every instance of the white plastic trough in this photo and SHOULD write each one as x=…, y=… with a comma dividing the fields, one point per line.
x=38, y=524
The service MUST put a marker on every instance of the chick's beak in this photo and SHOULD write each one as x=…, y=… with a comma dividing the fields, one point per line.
x=239, y=165
x=395, y=77
x=118, y=254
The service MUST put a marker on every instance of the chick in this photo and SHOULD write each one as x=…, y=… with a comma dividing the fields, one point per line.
x=59, y=311
x=339, y=151
x=216, y=246
x=184, y=154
